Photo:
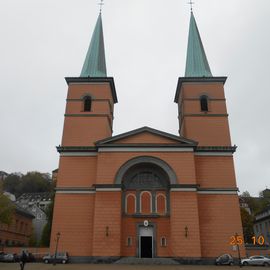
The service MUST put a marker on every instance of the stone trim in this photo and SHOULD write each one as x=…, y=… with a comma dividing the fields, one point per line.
x=77, y=151
x=100, y=186
x=186, y=142
x=74, y=190
x=78, y=154
x=212, y=192
x=93, y=100
x=154, y=247
x=184, y=186
x=210, y=99
x=145, y=159
x=229, y=149
x=184, y=189
x=196, y=80
x=93, y=259
x=213, y=154
x=144, y=149
x=221, y=191
x=108, y=189
x=205, y=115
x=61, y=149
x=94, y=80
x=92, y=115
x=197, y=189
x=174, y=188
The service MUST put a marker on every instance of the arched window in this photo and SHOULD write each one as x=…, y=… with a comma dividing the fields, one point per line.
x=145, y=202
x=161, y=204
x=204, y=103
x=163, y=241
x=130, y=204
x=87, y=102
x=140, y=183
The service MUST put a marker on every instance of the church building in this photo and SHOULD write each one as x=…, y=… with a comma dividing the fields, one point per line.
x=146, y=192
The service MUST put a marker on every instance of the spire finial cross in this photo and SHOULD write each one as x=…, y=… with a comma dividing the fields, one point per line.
x=100, y=5
x=191, y=5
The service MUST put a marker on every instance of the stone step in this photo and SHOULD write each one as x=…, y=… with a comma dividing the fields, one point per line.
x=149, y=261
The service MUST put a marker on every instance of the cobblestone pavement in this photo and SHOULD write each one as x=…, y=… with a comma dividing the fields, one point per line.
x=41, y=266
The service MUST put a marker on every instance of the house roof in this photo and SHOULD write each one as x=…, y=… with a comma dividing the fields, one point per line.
x=180, y=141
x=35, y=197
x=22, y=211
x=3, y=173
x=196, y=63
x=95, y=64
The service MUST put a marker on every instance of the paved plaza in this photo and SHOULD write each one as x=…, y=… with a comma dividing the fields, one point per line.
x=41, y=266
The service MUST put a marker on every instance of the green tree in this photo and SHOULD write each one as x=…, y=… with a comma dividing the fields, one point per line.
x=245, y=194
x=12, y=184
x=7, y=208
x=32, y=240
x=32, y=182
x=46, y=234
x=35, y=182
x=247, y=223
x=265, y=194
x=256, y=205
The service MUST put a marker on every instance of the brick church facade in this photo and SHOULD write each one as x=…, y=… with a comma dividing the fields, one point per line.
x=146, y=193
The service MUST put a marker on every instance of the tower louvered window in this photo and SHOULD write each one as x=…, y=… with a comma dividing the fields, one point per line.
x=204, y=103
x=87, y=104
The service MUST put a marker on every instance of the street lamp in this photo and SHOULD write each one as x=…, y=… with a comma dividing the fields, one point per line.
x=56, y=247
x=238, y=249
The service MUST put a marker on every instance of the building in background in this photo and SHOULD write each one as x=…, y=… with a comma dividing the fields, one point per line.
x=262, y=225
x=3, y=175
x=11, y=196
x=36, y=204
x=244, y=204
x=146, y=193
x=18, y=233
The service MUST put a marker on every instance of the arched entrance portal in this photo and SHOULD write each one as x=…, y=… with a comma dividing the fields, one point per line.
x=145, y=204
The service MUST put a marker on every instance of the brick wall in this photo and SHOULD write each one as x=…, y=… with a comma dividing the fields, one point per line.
x=18, y=232
x=215, y=171
x=219, y=221
x=73, y=218
x=184, y=214
x=107, y=224
x=77, y=172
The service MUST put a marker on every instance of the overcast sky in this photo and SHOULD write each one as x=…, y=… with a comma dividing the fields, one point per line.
x=145, y=41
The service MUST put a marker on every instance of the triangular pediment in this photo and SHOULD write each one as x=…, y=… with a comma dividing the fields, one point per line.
x=146, y=136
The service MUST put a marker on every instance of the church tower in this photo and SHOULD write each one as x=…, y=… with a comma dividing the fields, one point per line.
x=91, y=98
x=200, y=97
x=88, y=118
x=203, y=118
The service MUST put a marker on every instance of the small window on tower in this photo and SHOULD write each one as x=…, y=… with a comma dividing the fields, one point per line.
x=87, y=104
x=204, y=103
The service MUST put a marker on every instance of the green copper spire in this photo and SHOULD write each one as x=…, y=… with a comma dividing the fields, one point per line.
x=196, y=64
x=95, y=64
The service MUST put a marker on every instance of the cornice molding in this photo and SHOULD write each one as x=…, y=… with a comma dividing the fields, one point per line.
x=93, y=80
x=200, y=80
